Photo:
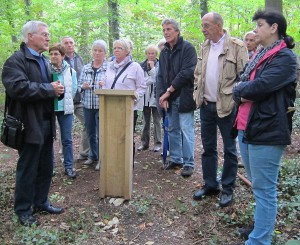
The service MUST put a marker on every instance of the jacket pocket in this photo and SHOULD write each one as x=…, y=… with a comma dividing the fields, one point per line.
x=229, y=70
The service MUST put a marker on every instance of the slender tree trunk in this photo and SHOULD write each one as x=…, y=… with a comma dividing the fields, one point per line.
x=113, y=21
x=273, y=5
x=203, y=7
x=27, y=7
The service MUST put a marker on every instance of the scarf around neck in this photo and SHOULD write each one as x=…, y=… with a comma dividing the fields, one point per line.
x=65, y=71
x=122, y=63
x=245, y=76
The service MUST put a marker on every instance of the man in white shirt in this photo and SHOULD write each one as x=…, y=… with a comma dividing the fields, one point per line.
x=221, y=60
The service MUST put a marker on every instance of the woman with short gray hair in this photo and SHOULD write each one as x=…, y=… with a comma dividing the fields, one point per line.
x=91, y=79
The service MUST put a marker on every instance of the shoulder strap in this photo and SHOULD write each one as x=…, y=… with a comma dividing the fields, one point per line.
x=116, y=78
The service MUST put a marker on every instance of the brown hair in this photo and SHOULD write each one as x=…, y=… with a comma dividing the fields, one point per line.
x=58, y=47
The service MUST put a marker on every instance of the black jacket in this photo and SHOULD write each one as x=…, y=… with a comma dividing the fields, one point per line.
x=176, y=68
x=273, y=93
x=30, y=98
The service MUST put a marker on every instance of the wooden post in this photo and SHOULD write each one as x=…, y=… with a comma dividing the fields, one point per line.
x=116, y=142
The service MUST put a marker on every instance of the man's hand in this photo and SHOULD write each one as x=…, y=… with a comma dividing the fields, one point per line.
x=150, y=64
x=58, y=88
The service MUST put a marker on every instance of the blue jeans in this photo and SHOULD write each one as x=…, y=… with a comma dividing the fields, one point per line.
x=66, y=124
x=181, y=135
x=209, y=123
x=91, y=117
x=34, y=173
x=244, y=153
x=264, y=164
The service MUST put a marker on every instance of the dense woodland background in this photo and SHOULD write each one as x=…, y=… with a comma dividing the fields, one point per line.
x=138, y=20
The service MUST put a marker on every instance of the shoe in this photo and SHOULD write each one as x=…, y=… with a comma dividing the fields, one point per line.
x=199, y=194
x=168, y=153
x=97, y=168
x=48, y=209
x=172, y=165
x=81, y=157
x=89, y=162
x=28, y=220
x=156, y=148
x=226, y=200
x=70, y=173
x=187, y=171
x=143, y=147
x=245, y=232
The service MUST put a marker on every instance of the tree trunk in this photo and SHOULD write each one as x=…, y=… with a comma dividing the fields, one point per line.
x=113, y=21
x=203, y=7
x=27, y=7
x=273, y=5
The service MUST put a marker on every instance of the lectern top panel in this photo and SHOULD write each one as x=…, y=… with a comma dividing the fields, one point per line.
x=115, y=92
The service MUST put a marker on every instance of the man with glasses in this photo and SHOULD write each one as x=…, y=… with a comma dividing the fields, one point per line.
x=221, y=60
x=30, y=93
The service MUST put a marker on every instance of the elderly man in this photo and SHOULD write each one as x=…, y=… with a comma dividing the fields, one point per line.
x=249, y=40
x=76, y=62
x=221, y=59
x=175, y=91
x=31, y=93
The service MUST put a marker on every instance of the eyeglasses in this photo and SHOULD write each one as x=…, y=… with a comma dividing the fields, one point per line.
x=55, y=54
x=205, y=26
x=44, y=34
x=118, y=48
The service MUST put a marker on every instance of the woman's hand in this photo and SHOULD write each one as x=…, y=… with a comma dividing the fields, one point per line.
x=101, y=83
x=85, y=85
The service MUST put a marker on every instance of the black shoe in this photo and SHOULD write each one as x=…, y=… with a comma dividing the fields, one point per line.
x=143, y=147
x=226, y=200
x=187, y=171
x=28, y=220
x=199, y=194
x=70, y=173
x=245, y=232
x=172, y=165
x=48, y=209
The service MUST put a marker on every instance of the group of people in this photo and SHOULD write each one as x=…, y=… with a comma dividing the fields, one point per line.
x=245, y=89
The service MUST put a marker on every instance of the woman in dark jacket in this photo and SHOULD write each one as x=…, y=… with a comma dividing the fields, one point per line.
x=266, y=96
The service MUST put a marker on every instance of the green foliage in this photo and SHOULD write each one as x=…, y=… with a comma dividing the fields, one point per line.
x=288, y=193
x=140, y=20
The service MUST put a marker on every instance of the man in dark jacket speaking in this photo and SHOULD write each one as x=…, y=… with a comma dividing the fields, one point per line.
x=30, y=93
x=175, y=84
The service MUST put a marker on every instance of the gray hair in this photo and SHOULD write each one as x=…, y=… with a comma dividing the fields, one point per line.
x=31, y=27
x=101, y=44
x=152, y=47
x=218, y=18
x=124, y=43
x=67, y=37
x=249, y=32
x=172, y=22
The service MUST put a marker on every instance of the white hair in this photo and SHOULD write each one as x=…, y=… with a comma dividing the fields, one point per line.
x=101, y=44
x=31, y=27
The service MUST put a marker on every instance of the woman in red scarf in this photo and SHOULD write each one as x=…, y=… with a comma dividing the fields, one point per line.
x=266, y=95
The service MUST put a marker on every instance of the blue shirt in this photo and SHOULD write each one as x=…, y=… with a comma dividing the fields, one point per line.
x=42, y=62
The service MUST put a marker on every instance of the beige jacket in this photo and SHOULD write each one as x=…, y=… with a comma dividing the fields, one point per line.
x=231, y=63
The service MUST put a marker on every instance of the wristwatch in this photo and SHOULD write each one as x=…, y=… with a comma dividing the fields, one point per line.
x=169, y=90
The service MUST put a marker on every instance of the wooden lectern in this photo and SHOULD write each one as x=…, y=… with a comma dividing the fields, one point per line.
x=116, y=142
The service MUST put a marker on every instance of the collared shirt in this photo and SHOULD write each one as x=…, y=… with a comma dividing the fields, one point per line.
x=212, y=70
x=42, y=62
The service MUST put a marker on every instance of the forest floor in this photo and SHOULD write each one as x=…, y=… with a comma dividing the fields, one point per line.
x=161, y=210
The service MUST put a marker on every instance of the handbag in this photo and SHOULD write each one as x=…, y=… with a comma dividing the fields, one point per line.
x=12, y=130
